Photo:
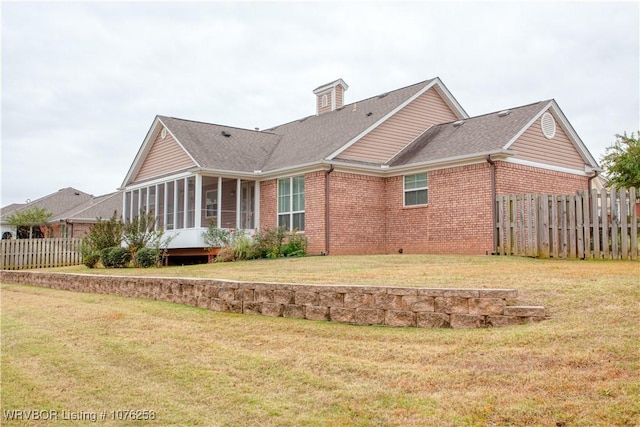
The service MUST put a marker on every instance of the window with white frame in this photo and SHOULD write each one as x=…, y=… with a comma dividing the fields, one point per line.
x=416, y=189
x=325, y=100
x=291, y=203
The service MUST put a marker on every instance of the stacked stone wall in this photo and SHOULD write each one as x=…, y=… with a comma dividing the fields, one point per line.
x=362, y=305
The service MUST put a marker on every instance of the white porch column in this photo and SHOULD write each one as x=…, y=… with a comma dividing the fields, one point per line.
x=198, y=204
x=256, y=209
x=238, y=202
x=219, y=213
x=175, y=204
x=156, y=214
x=125, y=195
x=165, y=205
x=185, y=204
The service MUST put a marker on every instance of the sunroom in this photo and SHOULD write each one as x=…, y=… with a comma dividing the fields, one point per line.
x=184, y=205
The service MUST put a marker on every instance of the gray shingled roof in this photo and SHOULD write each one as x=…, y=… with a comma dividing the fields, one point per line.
x=480, y=134
x=97, y=207
x=316, y=137
x=310, y=139
x=56, y=203
x=243, y=150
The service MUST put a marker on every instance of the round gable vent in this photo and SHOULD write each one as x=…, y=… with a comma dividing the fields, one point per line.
x=548, y=125
x=163, y=133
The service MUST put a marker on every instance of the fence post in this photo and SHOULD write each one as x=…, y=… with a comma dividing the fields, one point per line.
x=634, y=223
x=605, y=212
x=624, y=233
x=615, y=221
x=596, y=223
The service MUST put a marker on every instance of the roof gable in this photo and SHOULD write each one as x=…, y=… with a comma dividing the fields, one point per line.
x=165, y=155
x=399, y=130
x=488, y=133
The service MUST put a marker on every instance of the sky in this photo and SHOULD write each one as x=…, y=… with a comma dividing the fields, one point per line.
x=81, y=82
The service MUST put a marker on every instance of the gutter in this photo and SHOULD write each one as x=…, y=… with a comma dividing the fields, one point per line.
x=591, y=178
x=327, y=197
x=494, y=217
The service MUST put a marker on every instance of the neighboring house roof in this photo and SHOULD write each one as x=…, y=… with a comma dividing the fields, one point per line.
x=56, y=203
x=98, y=207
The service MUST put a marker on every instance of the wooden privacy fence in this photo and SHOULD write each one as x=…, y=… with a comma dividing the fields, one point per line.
x=584, y=225
x=39, y=253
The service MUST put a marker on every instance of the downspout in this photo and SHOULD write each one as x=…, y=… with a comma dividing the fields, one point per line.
x=493, y=204
x=591, y=178
x=327, y=231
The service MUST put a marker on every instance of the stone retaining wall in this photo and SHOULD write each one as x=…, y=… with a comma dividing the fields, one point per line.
x=362, y=305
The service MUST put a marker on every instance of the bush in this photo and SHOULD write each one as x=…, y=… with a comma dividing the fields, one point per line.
x=147, y=257
x=91, y=259
x=216, y=237
x=226, y=254
x=115, y=257
x=269, y=242
x=296, y=245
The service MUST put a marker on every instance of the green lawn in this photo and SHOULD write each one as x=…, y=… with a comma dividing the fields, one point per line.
x=98, y=354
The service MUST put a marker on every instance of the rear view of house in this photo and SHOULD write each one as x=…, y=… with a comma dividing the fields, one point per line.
x=406, y=170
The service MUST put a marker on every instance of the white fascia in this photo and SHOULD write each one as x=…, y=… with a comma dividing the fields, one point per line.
x=545, y=166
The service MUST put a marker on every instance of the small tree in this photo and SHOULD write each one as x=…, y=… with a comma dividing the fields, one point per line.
x=103, y=234
x=622, y=161
x=141, y=232
x=30, y=218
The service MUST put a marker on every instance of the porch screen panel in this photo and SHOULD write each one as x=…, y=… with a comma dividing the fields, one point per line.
x=135, y=202
x=229, y=203
x=127, y=206
x=191, y=202
x=180, y=207
x=151, y=209
x=161, y=207
x=170, y=204
x=210, y=201
x=248, y=205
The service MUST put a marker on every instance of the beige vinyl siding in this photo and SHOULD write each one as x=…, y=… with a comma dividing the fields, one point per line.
x=557, y=151
x=327, y=107
x=339, y=96
x=399, y=130
x=165, y=156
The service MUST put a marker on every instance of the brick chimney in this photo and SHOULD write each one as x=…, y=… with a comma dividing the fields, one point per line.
x=330, y=96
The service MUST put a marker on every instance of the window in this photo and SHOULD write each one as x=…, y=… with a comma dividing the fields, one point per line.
x=416, y=189
x=291, y=203
x=325, y=100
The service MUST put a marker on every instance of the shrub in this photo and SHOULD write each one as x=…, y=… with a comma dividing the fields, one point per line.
x=216, y=237
x=226, y=254
x=147, y=257
x=269, y=242
x=91, y=259
x=115, y=257
x=296, y=245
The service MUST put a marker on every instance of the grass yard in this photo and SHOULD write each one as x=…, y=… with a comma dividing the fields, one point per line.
x=85, y=353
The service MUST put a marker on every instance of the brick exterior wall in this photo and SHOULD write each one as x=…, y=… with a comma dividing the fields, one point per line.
x=512, y=178
x=357, y=214
x=367, y=214
x=457, y=218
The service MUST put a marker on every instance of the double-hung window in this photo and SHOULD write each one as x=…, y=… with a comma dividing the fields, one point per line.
x=416, y=189
x=291, y=203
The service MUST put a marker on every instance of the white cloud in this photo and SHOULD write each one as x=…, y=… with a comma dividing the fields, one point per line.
x=82, y=82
